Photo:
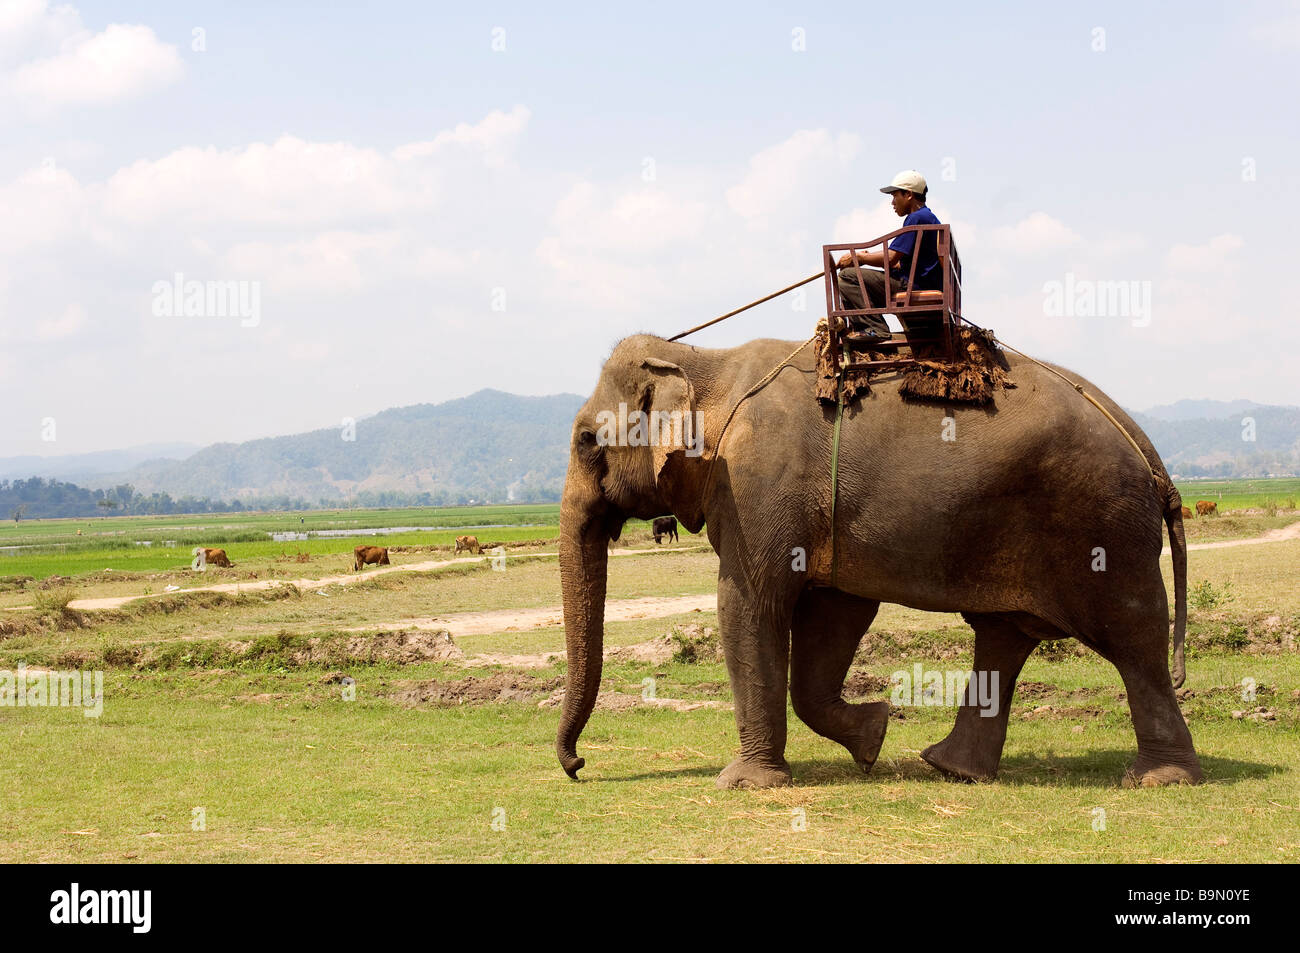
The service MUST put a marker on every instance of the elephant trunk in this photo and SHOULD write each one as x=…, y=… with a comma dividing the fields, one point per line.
x=584, y=560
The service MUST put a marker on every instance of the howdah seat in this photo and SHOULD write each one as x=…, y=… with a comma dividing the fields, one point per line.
x=935, y=313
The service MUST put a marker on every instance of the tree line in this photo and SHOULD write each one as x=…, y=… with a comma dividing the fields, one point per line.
x=42, y=498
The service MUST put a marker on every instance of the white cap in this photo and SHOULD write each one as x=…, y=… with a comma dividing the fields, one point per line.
x=907, y=181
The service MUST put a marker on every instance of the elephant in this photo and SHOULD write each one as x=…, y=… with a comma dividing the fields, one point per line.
x=1032, y=516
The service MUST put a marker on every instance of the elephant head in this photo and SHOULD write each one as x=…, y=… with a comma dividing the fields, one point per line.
x=634, y=454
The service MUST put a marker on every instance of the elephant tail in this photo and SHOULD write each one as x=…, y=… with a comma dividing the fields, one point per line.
x=1178, y=549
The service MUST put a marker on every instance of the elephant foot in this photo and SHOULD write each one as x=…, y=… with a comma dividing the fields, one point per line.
x=865, y=744
x=750, y=774
x=1157, y=776
x=957, y=764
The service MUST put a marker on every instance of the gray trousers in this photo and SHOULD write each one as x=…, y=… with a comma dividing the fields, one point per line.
x=917, y=323
x=874, y=280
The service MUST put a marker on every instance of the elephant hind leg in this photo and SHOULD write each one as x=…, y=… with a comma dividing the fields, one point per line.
x=826, y=630
x=973, y=748
x=1165, y=751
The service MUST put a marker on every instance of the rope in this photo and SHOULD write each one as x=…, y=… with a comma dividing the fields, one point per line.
x=1079, y=388
x=767, y=379
x=839, y=402
x=729, y=314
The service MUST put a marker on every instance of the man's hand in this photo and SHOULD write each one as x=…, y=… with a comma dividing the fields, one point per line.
x=845, y=260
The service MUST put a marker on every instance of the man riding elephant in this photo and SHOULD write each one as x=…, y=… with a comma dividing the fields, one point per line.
x=908, y=192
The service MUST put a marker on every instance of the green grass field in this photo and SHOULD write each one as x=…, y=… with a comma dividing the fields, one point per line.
x=227, y=734
x=1281, y=492
x=138, y=544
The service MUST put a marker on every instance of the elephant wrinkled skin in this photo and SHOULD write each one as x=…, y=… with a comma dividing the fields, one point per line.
x=1033, y=517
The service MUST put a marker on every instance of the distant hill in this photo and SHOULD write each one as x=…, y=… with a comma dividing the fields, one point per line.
x=82, y=467
x=1218, y=446
x=495, y=447
x=1199, y=409
x=488, y=447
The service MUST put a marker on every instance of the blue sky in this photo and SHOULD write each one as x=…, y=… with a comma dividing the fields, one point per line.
x=390, y=181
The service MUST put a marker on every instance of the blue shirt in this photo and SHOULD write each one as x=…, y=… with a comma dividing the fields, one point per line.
x=928, y=272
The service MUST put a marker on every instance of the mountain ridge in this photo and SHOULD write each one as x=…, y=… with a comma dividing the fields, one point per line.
x=493, y=446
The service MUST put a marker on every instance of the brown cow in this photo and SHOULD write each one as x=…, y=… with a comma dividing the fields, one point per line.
x=365, y=555
x=1187, y=512
x=217, y=557
x=468, y=543
x=1206, y=508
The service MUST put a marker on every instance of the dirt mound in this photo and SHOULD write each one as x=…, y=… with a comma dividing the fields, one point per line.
x=485, y=659
x=1051, y=711
x=472, y=690
x=655, y=652
x=1034, y=689
x=1259, y=633
x=694, y=642
x=940, y=644
x=294, y=651
x=1260, y=714
x=860, y=684
x=404, y=647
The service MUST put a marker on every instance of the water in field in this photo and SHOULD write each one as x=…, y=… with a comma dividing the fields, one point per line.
x=293, y=537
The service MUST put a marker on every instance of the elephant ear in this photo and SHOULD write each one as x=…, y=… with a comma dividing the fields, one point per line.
x=669, y=399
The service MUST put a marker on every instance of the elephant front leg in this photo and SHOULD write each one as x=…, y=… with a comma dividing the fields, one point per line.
x=828, y=625
x=973, y=748
x=757, y=649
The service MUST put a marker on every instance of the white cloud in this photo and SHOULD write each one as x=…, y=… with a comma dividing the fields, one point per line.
x=287, y=182
x=494, y=136
x=624, y=248
x=340, y=262
x=30, y=28
x=41, y=206
x=781, y=177
x=861, y=224
x=1036, y=233
x=53, y=61
x=72, y=320
x=1214, y=255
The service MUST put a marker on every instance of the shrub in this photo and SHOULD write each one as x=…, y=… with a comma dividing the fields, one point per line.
x=695, y=643
x=1204, y=595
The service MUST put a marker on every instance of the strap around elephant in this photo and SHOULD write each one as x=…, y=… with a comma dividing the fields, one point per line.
x=835, y=470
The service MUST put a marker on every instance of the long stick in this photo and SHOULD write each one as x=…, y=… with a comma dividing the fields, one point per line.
x=774, y=294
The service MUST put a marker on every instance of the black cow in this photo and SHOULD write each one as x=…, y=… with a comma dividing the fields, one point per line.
x=665, y=526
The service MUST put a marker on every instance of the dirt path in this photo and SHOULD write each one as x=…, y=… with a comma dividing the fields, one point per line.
x=523, y=620
x=1271, y=536
x=116, y=602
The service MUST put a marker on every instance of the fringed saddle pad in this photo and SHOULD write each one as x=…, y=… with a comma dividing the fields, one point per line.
x=971, y=380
